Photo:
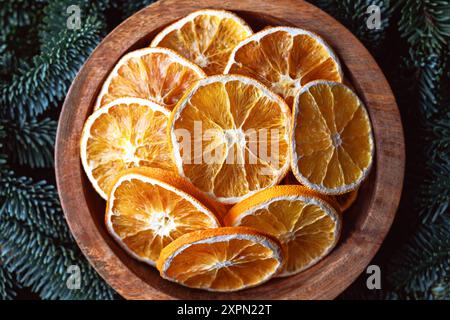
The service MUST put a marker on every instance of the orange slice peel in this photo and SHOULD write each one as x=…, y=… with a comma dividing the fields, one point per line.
x=149, y=208
x=205, y=37
x=127, y=132
x=156, y=74
x=308, y=224
x=224, y=259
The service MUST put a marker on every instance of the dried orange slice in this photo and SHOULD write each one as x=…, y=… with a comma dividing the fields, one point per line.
x=332, y=144
x=229, y=136
x=156, y=74
x=301, y=219
x=127, y=132
x=149, y=208
x=223, y=259
x=285, y=59
x=205, y=37
x=346, y=200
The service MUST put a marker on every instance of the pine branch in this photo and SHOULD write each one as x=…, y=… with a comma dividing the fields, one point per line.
x=31, y=143
x=41, y=263
x=3, y=156
x=434, y=200
x=421, y=267
x=130, y=7
x=425, y=24
x=430, y=75
x=31, y=91
x=55, y=15
x=18, y=13
x=7, y=291
x=353, y=14
x=34, y=203
x=36, y=244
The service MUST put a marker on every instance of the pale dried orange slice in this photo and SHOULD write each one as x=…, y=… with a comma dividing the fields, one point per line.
x=149, y=208
x=285, y=59
x=128, y=132
x=223, y=259
x=156, y=74
x=229, y=136
x=346, y=200
x=304, y=221
x=332, y=144
x=205, y=37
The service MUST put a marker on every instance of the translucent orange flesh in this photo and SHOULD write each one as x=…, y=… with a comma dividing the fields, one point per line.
x=147, y=217
x=223, y=266
x=305, y=229
x=285, y=63
x=155, y=76
x=207, y=41
x=241, y=119
x=332, y=136
x=124, y=137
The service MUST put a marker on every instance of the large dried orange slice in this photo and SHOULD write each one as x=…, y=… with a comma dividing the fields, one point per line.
x=301, y=219
x=223, y=259
x=127, y=132
x=229, y=136
x=285, y=59
x=332, y=144
x=156, y=74
x=149, y=208
x=205, y=37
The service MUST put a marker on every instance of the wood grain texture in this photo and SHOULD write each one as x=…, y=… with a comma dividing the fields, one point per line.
x=365, y=225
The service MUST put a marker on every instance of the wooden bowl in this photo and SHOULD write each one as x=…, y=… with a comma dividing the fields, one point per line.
x=365, y=225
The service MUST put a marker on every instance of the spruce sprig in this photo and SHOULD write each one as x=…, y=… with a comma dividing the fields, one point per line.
x=33, y=90
x=424, y=266
x=32, y=142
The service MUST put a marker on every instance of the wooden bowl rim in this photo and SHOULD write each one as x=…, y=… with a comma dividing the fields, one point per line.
x=329, y=277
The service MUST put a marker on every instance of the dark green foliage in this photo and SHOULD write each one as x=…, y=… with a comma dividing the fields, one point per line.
x=425, y=24
x=39, y=57
x=435, y=191
x=130, y=7
x=51, y=72
x=31, y=143
x=354, y=14
x=41, y=263
x=56, y=13
x=7, y=291
x=36, y=247
x=3, y=157
x=423, y=269
x=34, y=203
x=36, y=244
x=430, y=73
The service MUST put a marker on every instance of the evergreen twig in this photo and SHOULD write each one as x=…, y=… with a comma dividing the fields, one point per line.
x=31, y=143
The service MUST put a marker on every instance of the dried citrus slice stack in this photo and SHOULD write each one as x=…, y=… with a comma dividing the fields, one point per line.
x=127, y=132
x=229, y=136
x=156, y=74
x=205, y=37
x=149, y=208
x=224, y=259
x=284, y=59
x=196, y=132
x=304, y=221
x=332, y=144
